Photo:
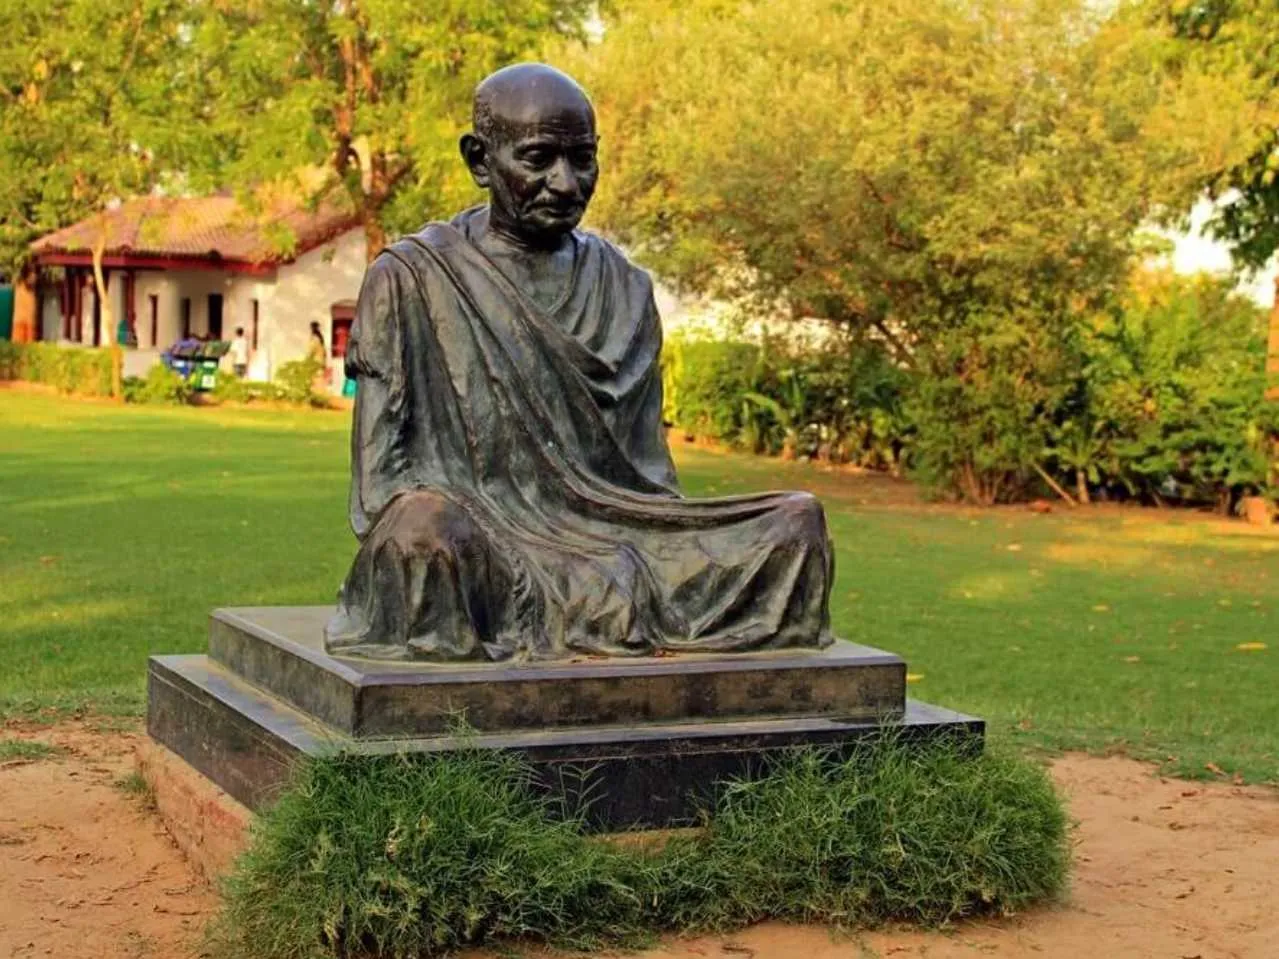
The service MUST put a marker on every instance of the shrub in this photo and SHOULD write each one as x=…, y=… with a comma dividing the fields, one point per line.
x=842, y=403
x=1158, y=397
x=10, y=357
x=229, y=388
x=419, y=856
x=1174, y=406
x=985, y=401
x=160, y=385
x=296, y=382
x=74, y=370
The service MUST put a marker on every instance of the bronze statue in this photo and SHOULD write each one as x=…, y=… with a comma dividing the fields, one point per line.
x=511, y=488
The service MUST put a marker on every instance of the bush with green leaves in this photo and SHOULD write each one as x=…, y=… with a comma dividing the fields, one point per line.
x=1157, y=396
x=160, y=385
x=81, y=371
x=419, y=856
x=841, y=402
x=985, y=400
x=295, y=382
x=1172, y=402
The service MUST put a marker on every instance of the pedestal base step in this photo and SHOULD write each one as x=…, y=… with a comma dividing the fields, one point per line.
x=638, y=776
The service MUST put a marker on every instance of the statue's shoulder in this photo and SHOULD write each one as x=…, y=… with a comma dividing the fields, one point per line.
x=432, y=238
x=616, y=261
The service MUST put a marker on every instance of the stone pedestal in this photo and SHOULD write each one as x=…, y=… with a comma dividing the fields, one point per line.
x=648, y=739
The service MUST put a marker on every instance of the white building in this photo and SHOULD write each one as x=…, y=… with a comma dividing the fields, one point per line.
x=203, y=267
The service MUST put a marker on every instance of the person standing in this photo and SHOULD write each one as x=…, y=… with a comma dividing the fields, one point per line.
x=240, y=353
x=315, y=350
x=318, y=354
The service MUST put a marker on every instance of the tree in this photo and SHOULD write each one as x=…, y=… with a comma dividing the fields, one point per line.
x=1225, y=36
x=1237, y=38
x=366, y=97
x=90, y=93
x=961, y=180
x=884, y=164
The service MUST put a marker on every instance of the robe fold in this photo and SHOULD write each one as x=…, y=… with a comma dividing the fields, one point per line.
x=512, y=491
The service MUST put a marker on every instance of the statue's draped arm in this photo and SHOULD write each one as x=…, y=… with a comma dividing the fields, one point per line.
x=380, y=430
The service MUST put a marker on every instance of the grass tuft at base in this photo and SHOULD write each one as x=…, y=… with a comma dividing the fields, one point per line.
x=411, y=856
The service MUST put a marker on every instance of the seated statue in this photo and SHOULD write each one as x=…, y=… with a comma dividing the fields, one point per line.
x=512, y=491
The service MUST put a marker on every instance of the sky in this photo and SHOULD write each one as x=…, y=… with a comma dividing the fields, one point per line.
x=1195, y=252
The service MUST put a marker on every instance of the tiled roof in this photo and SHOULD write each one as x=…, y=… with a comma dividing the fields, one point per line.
x=204, y=228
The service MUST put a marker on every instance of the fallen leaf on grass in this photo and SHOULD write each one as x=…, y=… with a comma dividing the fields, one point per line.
x=914, y=677
x=1214, y=769
x=1251, y=647
x=1101, y=608
x=1014, y=547
x=1132, y=659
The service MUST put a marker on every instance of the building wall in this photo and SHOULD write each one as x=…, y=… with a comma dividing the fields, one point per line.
x=288, y=300
x=304, y=291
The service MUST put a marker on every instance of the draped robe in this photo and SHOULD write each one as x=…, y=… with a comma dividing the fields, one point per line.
x=512, y=491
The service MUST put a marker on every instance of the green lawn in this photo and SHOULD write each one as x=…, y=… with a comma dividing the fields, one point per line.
x=121, y=527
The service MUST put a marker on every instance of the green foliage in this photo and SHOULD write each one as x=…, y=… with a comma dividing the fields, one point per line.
x=841, y=402
x=985, y=406
x=964, y=182
x=401, y=856
x=1235, y=39
x=92, y=99
x=229, y=388
x=73, y=370
x=160, y=385
x=295, y=382
x=366, y=98
x=892, y=166
x=1159, y=397
x=1174, y=390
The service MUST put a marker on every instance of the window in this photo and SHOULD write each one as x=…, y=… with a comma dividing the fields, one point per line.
x=155, y=320
x=253, y=343
x=185, y=308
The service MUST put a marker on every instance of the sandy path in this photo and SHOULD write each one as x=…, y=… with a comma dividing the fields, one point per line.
x=85, y=870
x=1165, y=869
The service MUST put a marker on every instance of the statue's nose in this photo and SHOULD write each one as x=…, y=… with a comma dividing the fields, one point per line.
x=561, y=179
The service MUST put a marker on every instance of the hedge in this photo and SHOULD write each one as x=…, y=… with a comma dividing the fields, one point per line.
x=73, y=370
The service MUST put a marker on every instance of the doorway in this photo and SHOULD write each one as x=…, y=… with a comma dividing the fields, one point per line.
x=215, y=316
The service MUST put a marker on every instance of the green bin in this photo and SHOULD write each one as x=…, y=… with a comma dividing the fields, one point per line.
x=6, y=312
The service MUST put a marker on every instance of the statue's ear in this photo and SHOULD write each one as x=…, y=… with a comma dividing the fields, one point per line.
x=475, y=153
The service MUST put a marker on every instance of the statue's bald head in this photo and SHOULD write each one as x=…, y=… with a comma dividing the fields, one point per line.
x=525, y=93
x=533, y=149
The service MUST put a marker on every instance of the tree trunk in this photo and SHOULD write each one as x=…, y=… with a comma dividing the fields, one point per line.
x=1081, y=486
x=26, y=307
x=374, y=237
x=107, y=319
x=1272, y=353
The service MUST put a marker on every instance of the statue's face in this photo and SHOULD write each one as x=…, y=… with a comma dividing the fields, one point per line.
x=542, y=169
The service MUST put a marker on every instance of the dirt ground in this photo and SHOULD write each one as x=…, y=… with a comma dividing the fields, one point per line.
x=1165, y=869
